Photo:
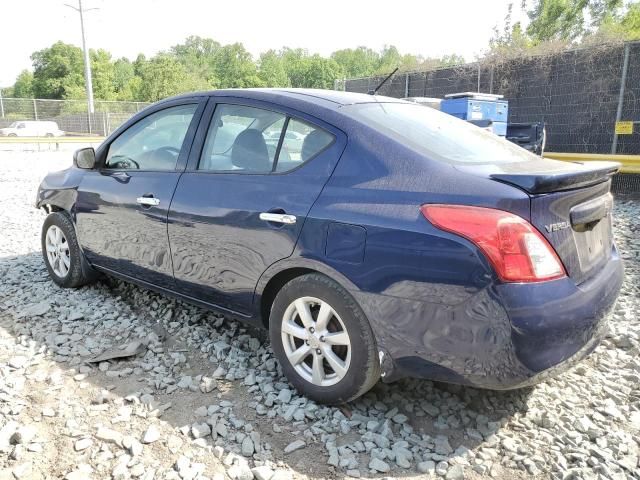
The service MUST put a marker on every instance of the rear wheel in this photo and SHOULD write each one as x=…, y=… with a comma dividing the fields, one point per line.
x=62, y=255
x=323, y=340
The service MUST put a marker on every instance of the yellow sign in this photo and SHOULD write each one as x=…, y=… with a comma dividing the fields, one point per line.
x=624, y=128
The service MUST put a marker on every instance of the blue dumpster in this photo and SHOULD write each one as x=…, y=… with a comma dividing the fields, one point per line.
x=475, y=107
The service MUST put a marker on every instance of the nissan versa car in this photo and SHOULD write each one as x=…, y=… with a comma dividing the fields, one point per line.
x=388, y=240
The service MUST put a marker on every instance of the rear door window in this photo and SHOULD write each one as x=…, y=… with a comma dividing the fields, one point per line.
x=243, y=139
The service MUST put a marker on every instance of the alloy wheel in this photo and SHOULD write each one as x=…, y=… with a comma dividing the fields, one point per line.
x=58, y=251
x=316, y=341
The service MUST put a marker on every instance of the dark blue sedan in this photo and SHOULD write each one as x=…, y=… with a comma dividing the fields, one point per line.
x=371, y=236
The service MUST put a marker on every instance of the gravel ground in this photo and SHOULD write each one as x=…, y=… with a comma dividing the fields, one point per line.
x=206, y=399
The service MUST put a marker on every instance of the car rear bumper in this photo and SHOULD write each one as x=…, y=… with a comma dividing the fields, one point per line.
x=500, y=337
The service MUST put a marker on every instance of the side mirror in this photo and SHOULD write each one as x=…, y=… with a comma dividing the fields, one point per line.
x=85, y=158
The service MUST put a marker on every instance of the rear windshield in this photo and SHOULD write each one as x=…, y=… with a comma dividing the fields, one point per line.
x=437, y=135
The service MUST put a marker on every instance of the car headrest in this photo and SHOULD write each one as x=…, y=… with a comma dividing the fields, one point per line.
x=249, y=151
x=312, y=144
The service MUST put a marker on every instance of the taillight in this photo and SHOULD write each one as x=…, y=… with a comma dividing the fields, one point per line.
x=517, y=251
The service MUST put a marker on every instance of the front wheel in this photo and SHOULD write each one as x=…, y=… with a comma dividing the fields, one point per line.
x=62, y=255
x=323, y=340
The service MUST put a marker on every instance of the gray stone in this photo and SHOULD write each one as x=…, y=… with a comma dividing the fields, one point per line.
x=455, y=472
x=262, y=472
x=284, y=396
x=441, y=468
x=293, y=446
x=109, y=436
x=442, y=446
x=200, y=430
x=240, y=472
x=151, y=435
x=82, y=444
x=379, y=465
x=208, y=384
x=19, y=361
x=247, y=447
x=428, y=466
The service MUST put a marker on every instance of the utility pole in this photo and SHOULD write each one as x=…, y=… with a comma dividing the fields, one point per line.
x=1, y=104
x=87, y=61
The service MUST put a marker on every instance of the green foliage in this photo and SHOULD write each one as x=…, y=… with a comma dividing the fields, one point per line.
x=235, y=68
x=58, y=71
x=23, y=88
x=272, y=70
x=630, y=22
x=163, y=76
x=555, y=25
x=102, y=75
x=357, y=62
x=320, y=72
x=202, y=63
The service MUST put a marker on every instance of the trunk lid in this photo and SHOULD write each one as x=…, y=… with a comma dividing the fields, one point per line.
x=571, y=206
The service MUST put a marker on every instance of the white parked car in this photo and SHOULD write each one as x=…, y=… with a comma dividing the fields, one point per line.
x=32, y=128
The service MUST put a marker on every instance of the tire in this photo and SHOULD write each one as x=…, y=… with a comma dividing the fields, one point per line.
x=12, y=135
x=312, y=374
x=71, y=270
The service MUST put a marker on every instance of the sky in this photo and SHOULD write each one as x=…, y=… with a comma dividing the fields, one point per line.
x=431, y=28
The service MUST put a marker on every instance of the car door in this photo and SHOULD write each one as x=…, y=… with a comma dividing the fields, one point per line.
x=122, y=205
x=240, y=205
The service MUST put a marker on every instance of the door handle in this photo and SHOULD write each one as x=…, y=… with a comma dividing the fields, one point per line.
x=278, y=218
x=148, y=201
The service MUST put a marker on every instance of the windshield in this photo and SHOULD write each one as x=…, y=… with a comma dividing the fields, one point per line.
x=437, y=135
x=13, y=125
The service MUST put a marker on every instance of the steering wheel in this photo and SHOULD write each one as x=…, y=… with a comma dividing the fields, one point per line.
x=122, y=162
x=169, y=149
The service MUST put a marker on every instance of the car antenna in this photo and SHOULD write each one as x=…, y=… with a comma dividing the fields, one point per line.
x=375, y=90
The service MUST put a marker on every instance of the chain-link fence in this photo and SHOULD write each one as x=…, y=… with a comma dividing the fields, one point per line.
x=579, y=94
x=71, y=116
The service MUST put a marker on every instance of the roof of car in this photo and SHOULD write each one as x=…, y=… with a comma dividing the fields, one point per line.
x=320, y=97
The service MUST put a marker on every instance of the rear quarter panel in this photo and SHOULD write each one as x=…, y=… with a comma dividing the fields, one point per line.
x=426, y=292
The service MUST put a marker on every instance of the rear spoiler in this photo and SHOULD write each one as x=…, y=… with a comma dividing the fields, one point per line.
x=589, y=173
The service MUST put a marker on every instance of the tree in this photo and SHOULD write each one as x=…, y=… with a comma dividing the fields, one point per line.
x=163, y=76
x=272, y=71
x=321, y=72
x=102, y=75
x=234, y=67
x=58, y=71
x=568, y=19
x=625, y=25
x=631, y=22
x=23, y=88
x=358, y=62
x=295, y=64
x=198, y=56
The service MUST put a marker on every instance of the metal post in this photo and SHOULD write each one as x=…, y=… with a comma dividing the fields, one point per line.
x=623, y=82
x=35, y=110
x=1, y=104
x=406, y=85
x=87, y=62
x=491, y=79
